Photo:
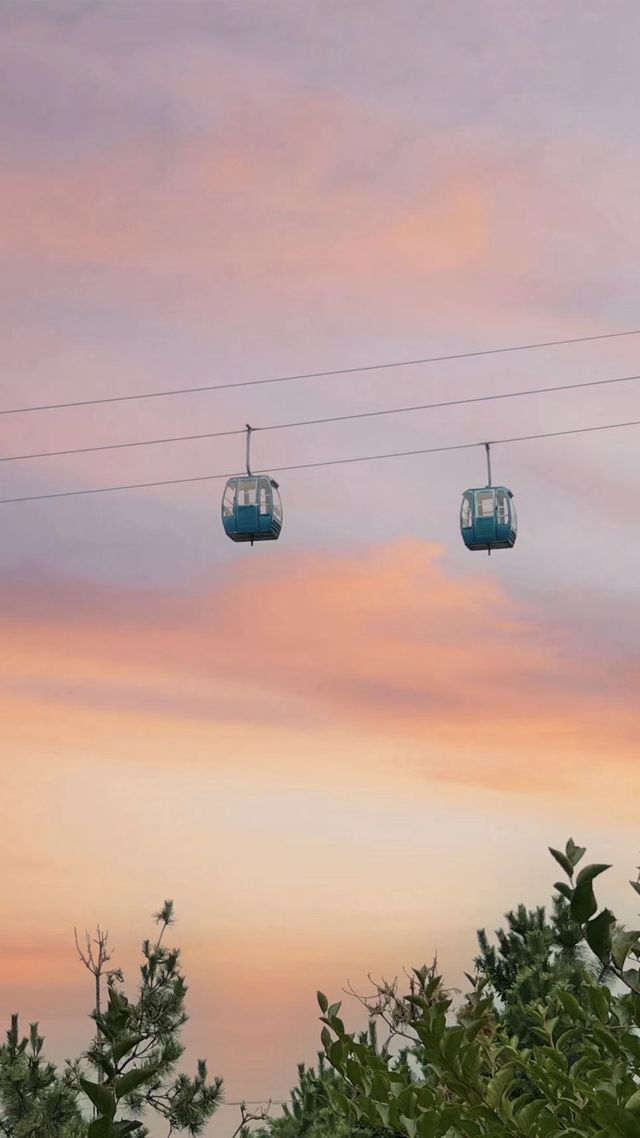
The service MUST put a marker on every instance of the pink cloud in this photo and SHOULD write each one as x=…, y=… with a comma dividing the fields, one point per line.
x=386, y=643
x=220, y=201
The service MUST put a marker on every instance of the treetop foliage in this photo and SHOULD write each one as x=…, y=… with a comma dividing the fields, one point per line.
x=546, y=1043
x=130, y=1064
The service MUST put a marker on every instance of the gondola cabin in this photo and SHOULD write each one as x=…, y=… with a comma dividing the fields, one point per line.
x=252, y=508
x=488, y=518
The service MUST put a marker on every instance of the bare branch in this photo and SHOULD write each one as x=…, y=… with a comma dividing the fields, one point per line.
x=95, y=958
x=249, y=1116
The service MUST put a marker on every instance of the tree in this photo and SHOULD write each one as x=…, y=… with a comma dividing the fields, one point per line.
x=35, y=1101
x=309, y=1113
x=137, y=1048
x=95, y=958
x=576, y=1074
x=534, y=957
x=133, y=1058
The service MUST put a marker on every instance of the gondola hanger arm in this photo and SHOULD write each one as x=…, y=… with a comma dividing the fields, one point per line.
x=487, y=447
x=249, y=430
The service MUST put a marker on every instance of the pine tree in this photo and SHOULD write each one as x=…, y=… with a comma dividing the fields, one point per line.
x=309, y=1113
x=533, y=957
x=137, y=1047
x=133, y=1058
x=35, y=1100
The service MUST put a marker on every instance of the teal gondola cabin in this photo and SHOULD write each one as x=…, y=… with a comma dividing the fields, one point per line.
x=488, y=518
x=252, y=508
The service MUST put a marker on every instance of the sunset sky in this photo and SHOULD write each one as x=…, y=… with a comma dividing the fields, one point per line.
x=345, y=750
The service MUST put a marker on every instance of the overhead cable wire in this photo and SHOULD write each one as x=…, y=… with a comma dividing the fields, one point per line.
x=322, y=463
x=325, y=420
x=259, y=1102
x=316, y=374
x=126, y=446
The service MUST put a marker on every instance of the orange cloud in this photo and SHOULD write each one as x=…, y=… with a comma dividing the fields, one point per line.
x=449, y=667
x=36, y=962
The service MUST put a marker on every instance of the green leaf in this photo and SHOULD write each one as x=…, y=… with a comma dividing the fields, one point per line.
x=598, y=934
x=498, y=1086
x=569, y=1004
x=452, y=1043
x=103, y=1063
x=600, y=1001
x=438, y=1026
x=341, y=1103
x=409, y=1125
x=635, y=885
x=125, y=1044
x=562, y=860
x=380, y=1087
x=102, y=1098
x=354, y=1074
x=427, y=1125
x=383, y=1111
x=322, y=1002
x=337, y=1054
x=529, y=1110
x=564, y=889
x=591, y=871
x=405, y=1101
x=622, y=945
x=101, y=1128
x=574, y=853
x=633, y=1103
x=583, y=903
x=126, y=1084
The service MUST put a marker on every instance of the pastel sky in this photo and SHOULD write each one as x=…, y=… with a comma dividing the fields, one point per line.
x=346, y=750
